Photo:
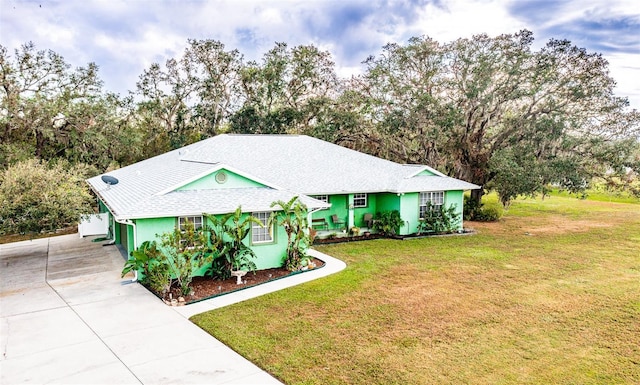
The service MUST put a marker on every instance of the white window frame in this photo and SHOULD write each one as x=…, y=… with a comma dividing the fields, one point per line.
x=435, y=197
x=197, y=224
x=263, y=234
x=360, y=197
x=195, y=219
x=323, y=198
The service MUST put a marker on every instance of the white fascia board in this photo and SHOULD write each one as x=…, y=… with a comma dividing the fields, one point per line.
x=211, y=171
x=347, y=192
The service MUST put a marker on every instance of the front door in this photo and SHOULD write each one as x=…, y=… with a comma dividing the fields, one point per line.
x=124, y=236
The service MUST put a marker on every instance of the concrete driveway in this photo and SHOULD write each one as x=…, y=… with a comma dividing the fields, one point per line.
x=66, y=317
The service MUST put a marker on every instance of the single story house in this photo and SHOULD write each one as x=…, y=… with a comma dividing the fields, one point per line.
x=341, y=187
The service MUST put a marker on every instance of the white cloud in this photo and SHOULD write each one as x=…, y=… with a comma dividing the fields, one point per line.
x=125, y=37
x=463, y=19
x=626, y=70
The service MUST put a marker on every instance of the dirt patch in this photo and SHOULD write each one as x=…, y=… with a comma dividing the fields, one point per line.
x=560, y=225
x=543, y=225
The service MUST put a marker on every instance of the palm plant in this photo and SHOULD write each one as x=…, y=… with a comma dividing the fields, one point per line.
x=292, y=216
x=227, y=235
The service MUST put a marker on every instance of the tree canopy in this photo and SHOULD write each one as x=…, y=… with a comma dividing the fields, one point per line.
x=490, y=110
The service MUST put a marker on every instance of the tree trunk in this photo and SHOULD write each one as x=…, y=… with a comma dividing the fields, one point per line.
x=40, y=144
x=476, y=196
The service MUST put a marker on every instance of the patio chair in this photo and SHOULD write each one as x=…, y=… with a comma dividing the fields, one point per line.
x=368, y=220
x=337, y=222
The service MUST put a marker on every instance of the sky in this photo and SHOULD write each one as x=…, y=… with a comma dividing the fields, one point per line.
x=126, y=37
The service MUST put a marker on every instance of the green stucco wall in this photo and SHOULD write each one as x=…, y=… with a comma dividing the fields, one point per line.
x=455, y=198
x=358, y=212
x=407, y=204
x=209, y=182
x=268, y=255
x=409, y=212
x=150, y=229
x=339, y=207
x=388, y=202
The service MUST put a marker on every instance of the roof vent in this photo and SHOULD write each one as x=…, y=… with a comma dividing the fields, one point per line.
x=110, y=180
x=221, y=177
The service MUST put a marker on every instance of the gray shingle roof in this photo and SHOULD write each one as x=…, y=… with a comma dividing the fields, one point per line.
x=296, y=163
x=196, y=202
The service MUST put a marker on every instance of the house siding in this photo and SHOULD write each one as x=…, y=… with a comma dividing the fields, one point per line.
x=358, y=212
x=268, y=255
x=407, y=204
x=209, y=182
x=339, y=207
x=455, y=198
x=409, y=212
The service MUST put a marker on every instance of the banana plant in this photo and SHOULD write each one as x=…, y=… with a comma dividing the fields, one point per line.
x=227, y=235
x=292, y=216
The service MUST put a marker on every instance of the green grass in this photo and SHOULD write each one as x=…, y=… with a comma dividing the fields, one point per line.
x=601, y=196
x=549, y=294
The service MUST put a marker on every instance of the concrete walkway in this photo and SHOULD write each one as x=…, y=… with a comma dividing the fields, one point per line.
x=66, y=321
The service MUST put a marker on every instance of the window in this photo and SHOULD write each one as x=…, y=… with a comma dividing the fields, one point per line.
x=261, y=234
x=359, y=200
x=436, y=198
x=196, y=220
x=324, y=198
x=188, y=242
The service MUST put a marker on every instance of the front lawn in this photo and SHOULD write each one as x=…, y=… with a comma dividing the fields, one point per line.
x=550, y=294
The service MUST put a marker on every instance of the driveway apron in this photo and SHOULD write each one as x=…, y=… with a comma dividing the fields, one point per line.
x=67, y=317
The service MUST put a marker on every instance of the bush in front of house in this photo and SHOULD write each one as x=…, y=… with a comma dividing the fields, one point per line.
x=438, y=219
x=387, y=223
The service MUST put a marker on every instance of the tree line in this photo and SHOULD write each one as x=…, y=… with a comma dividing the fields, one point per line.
x=489, y=110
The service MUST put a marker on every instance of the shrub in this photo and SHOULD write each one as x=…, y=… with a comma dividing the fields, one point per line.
x=36, y=197
x=388, y=222
x=152, y=265
x=184, y=252
x=479, y=212
x=488, y=214
x=439, y=220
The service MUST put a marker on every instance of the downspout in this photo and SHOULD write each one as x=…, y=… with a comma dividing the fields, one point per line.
x=309, y=214
x=310, y=217
x=135, y=241
x=309, y=220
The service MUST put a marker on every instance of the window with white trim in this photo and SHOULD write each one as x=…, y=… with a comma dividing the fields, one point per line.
x=436, y=198
x=359, y=200
x=323, y=198
x=195, y=220
x=261, y=234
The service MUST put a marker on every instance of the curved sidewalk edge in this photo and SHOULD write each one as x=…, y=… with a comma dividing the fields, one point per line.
x=332, y=266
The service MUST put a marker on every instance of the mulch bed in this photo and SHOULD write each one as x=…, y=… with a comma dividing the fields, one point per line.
x=204, y=288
